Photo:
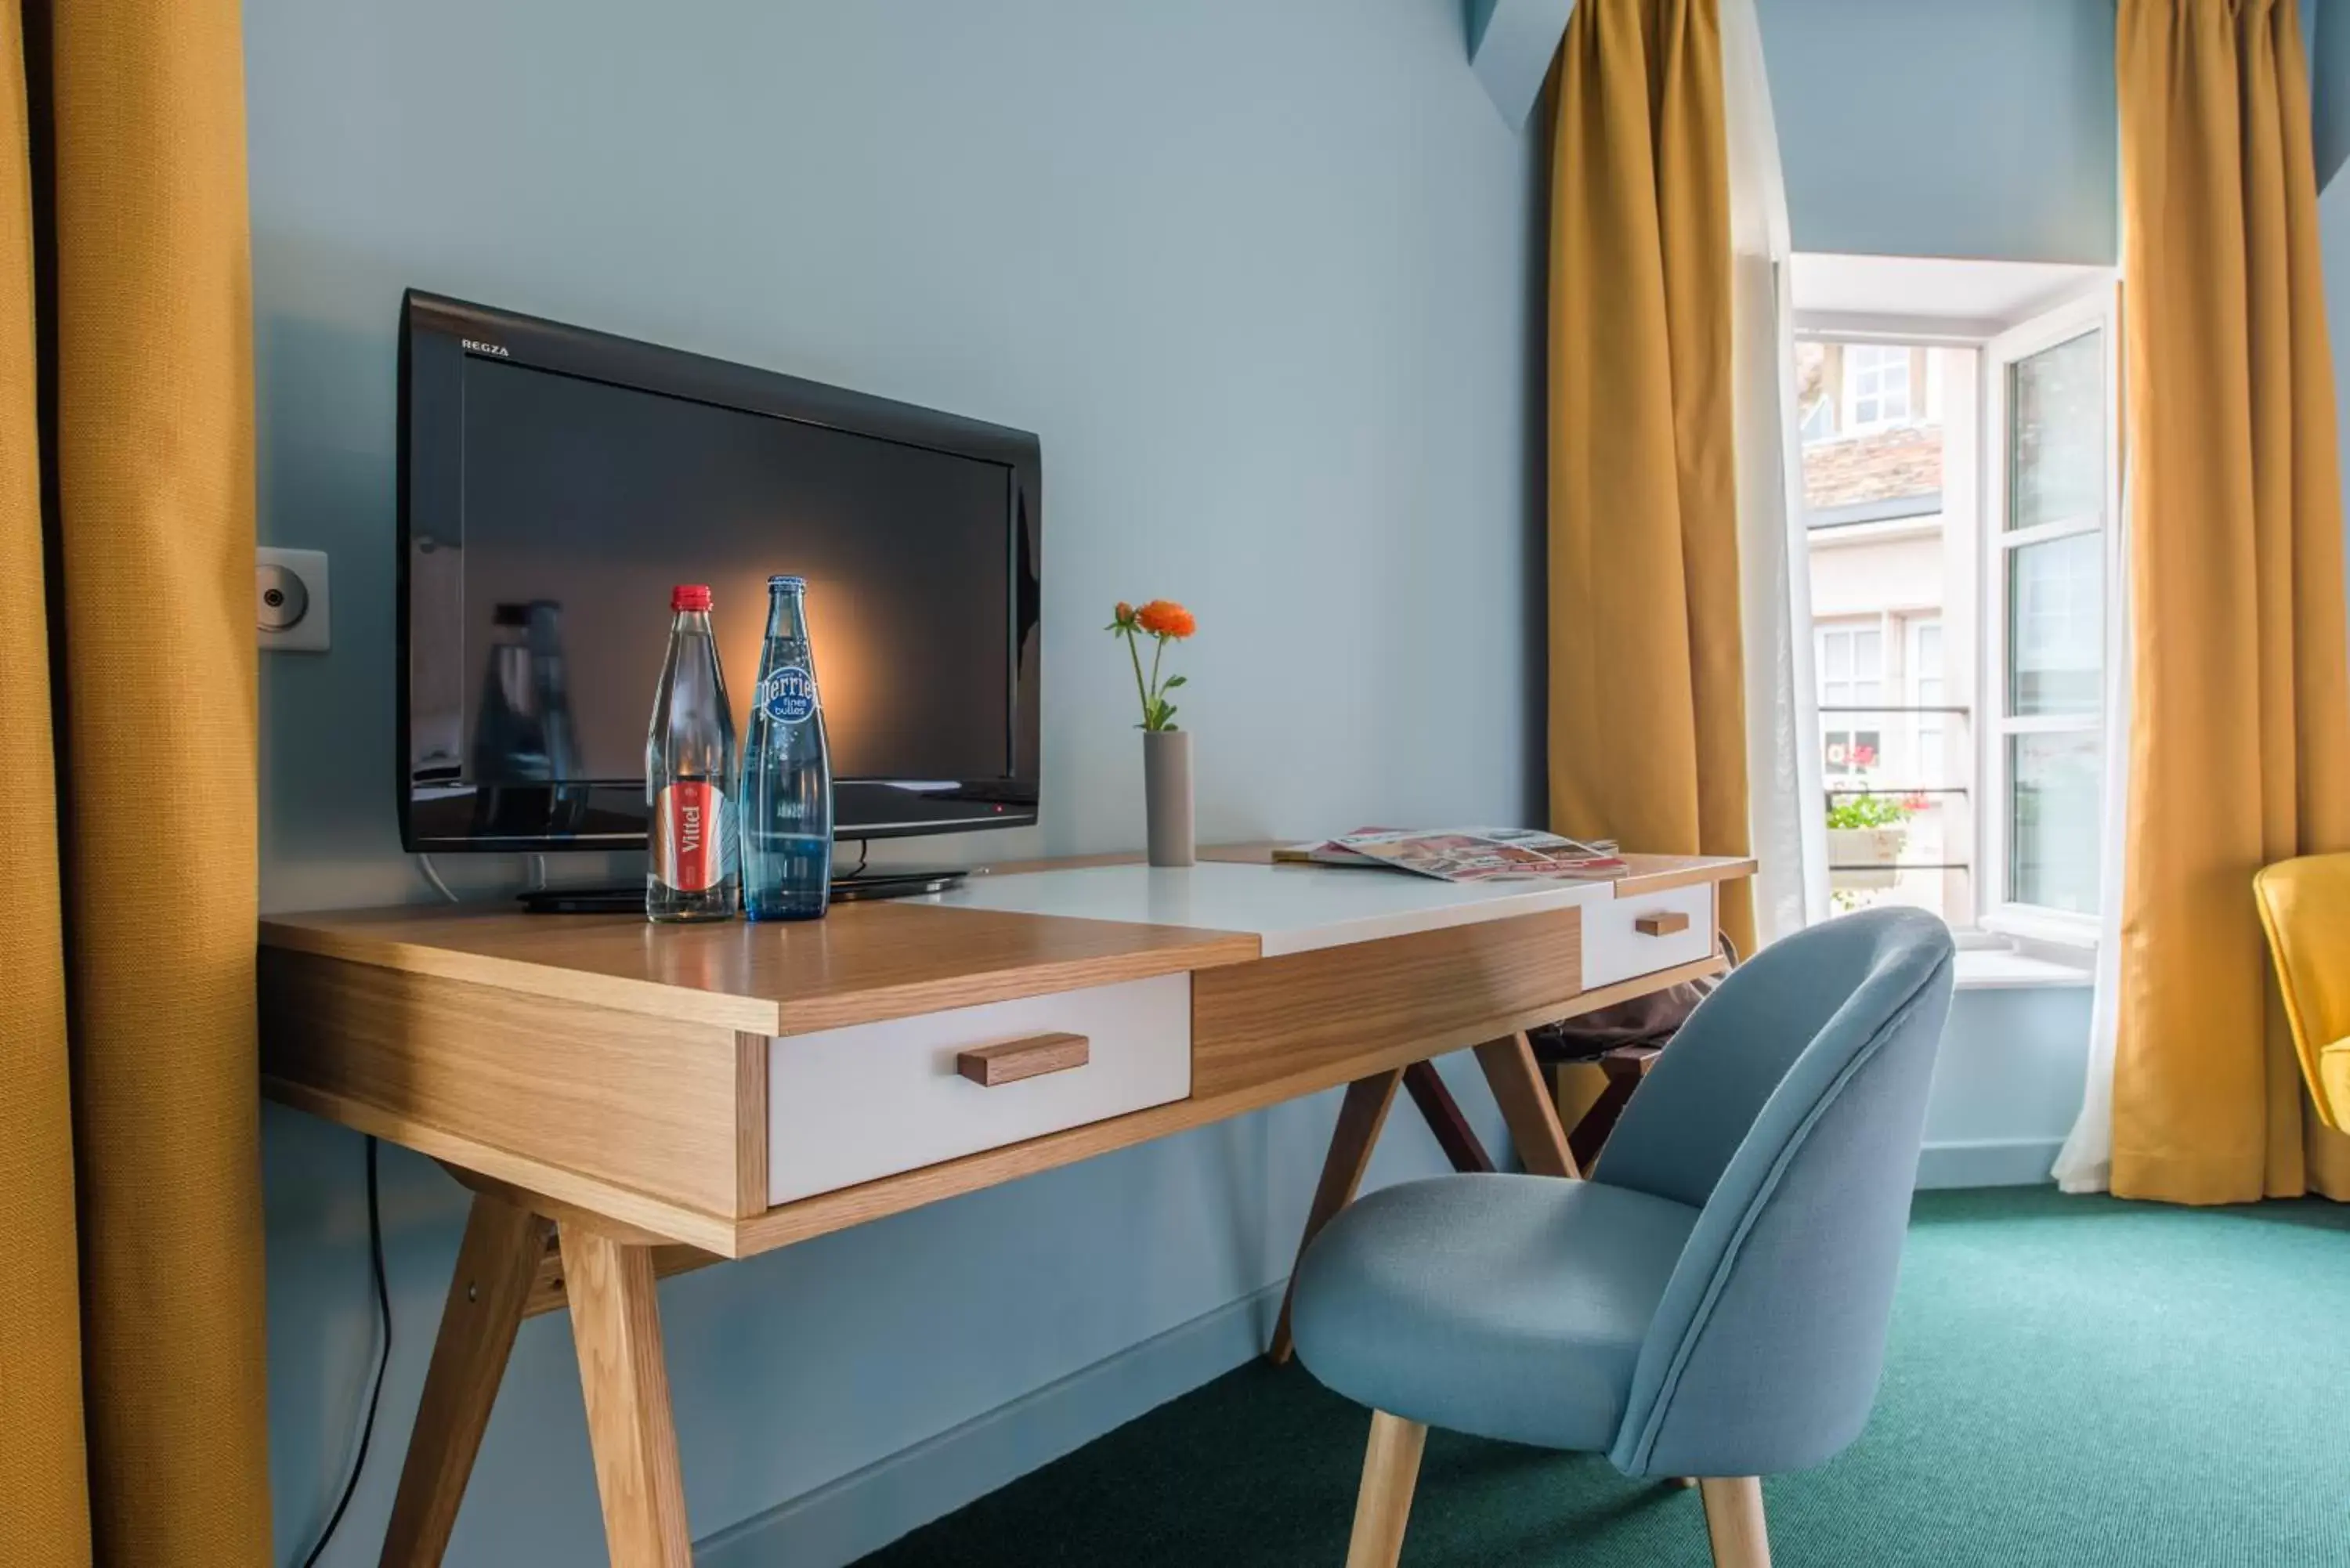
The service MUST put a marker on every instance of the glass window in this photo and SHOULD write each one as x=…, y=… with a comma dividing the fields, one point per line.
x=2056, y=434
x=2055, y=778
x=1927, y=691
x=1875, y=384
x=1851, y=677
x=2056, y=625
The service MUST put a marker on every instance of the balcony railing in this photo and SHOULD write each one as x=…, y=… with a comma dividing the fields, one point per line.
x=1899, y=799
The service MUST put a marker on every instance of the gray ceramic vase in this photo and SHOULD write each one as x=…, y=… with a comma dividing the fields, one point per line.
x=1167, y=795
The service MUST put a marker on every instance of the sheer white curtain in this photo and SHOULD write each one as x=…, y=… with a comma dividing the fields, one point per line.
x=2085, y=1163
x=1783, y=752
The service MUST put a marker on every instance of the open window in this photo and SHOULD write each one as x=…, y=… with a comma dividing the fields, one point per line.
x=1960, y=468
x=2054, y=468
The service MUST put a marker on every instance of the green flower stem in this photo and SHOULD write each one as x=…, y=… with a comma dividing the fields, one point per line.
x=1156, y=701
x=1139, y=690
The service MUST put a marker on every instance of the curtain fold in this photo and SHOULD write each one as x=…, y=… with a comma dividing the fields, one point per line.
x=1787, y=789
x=2240, y=722
x=132, y=1417
x=1648, y=704
x=45, y=1503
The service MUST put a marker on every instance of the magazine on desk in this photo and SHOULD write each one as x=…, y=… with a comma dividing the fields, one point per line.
x=1468, y=854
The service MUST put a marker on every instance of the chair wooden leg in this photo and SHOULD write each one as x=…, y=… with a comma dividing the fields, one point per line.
x=1360, y=1115
x=1390, y=1468
x=496, y=1265
x=1733, y=1522
x=616, y=1326
x=1517, y=1081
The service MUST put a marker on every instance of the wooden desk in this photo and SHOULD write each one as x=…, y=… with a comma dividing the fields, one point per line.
x=629, y=1101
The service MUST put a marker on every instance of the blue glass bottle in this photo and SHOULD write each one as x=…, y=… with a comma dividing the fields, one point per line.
x=786, y=792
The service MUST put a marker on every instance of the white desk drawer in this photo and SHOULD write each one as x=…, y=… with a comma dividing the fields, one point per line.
x=1640, y=935
x=846, y=1106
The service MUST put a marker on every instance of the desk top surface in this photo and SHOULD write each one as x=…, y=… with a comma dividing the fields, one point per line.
x=1017, y=931
x=1287, y=908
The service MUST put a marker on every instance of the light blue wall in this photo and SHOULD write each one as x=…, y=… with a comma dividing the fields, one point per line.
x=1259, y=276
x=1947, y=128
x=2334, y=239
x=1265, y=279
x=2327, y=27
x=2007, y=1085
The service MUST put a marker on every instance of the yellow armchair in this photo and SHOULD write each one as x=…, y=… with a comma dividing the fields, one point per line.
x=2305, y=908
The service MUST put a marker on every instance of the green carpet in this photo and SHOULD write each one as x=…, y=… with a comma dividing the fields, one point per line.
x=2072, y=1381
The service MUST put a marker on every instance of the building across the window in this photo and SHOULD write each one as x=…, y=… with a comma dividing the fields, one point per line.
x=1956, y=502
x=1897, y=748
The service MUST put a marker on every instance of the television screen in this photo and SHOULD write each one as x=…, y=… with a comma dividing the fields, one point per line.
x=556, y=490
x=595, y=499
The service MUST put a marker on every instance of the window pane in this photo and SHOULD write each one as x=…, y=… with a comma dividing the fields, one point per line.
x=2056, y=625
x=1836, y=655
x=2057, y=431
x=1893, y=388
x=2052, y=814
x=1867, y=655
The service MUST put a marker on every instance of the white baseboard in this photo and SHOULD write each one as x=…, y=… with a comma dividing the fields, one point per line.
x=1991, y=1162
x=867, y=1509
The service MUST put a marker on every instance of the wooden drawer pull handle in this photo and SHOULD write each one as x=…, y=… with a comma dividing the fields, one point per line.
x=1017, y=1059
x=1664, y=924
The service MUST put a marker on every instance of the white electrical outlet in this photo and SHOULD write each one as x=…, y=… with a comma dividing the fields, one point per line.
x=289, y=599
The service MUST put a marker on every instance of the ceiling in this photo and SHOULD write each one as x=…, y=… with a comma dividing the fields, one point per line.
x=1980, y=294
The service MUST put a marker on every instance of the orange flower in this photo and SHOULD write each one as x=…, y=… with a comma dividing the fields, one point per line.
x=1165, y=618
x=1123, y=615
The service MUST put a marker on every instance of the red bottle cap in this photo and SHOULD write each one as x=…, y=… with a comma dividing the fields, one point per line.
x=689, y=596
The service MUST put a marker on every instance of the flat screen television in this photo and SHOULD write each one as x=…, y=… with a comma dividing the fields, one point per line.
x=556, y=483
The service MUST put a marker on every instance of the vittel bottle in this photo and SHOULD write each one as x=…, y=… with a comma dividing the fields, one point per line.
x=688, y=767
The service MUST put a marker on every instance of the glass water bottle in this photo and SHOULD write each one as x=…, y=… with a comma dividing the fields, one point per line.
x=786, y=792
x=689, y=766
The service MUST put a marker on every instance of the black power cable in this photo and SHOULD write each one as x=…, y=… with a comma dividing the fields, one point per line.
x=383, y=1361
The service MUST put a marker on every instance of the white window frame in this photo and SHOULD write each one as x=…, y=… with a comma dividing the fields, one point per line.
x=1849, y=380
x=2097, y=311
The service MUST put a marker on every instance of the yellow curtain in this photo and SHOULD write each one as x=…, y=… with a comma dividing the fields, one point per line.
x=2240, y=721
x=1647, y=708
x=133, y=1422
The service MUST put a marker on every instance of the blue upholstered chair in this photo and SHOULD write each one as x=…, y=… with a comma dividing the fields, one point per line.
x=1714, y=1301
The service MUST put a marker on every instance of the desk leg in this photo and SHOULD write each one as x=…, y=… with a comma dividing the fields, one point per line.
x=1437, y=1106
x=496, y=1264
x=1360, y=1115
x=1515, y=1078
x=616, y=1326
